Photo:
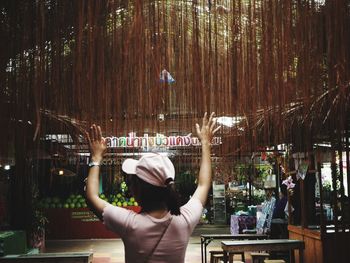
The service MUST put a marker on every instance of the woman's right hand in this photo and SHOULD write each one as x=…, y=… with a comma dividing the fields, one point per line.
x=208, y=130
x=97, y=144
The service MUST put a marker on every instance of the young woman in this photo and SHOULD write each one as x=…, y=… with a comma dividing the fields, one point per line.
x=160, y=233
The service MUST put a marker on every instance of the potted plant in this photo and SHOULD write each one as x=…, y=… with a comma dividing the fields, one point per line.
x=38, y=224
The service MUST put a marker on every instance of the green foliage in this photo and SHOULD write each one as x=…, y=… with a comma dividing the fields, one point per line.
x=258, y=173
x=326, y=186
x=38, y=218
x=257, y=199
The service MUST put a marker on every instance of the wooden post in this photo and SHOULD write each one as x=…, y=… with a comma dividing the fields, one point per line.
x=322, y=223
x=303, y=220
x=340, y=154
x=334, y=198
x=348, y=163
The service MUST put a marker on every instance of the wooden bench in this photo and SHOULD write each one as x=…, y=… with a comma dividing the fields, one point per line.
x=83, y=257
x=206, y=239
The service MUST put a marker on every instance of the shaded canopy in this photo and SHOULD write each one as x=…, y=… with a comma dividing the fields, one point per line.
x=281, y=65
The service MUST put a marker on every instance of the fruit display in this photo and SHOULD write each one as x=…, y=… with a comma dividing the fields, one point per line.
x=73, y=201
x=121, y=199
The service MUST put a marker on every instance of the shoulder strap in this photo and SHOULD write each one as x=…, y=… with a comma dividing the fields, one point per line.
x=155, y=247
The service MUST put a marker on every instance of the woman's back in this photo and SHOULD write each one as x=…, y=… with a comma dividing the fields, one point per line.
x=141, y=232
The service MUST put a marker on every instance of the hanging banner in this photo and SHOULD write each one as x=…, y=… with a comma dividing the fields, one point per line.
x=158, y=141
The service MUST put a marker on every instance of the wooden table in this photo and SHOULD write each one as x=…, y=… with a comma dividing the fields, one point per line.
x=207, y=238
x=264, y=245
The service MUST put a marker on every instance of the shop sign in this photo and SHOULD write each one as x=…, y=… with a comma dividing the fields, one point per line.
x=158, y=141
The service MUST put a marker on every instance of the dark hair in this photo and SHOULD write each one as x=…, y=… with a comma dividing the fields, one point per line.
x=152, y=197
x=284, y=189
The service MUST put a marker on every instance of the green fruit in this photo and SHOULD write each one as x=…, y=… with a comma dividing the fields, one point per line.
x=81, y=200
x=114, y=203
x=130, y=203
x=84, y=205
x=72, y=205
x=69, y=200
x=119, y=195
x=78, y=205
x=119, y=204
x=66, y=205
x=132, y=199
x=125, y=204
x=136, y=204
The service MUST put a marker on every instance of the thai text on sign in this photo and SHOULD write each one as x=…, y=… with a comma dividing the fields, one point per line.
x=159, y=140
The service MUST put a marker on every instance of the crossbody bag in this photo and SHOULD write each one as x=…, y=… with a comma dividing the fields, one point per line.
x=155, y=247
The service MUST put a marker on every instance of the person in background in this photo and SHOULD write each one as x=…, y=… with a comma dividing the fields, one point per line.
x=279, y=211
x=264, y=221
x=279, y=222
x=160, y=233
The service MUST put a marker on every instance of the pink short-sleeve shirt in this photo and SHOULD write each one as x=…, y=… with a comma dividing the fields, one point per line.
x=141, y=232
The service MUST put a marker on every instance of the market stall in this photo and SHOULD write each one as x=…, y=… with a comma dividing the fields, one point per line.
x=320, y=214
x=77, y=223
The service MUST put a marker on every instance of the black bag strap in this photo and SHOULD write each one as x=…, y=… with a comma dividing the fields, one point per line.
x=155, y=247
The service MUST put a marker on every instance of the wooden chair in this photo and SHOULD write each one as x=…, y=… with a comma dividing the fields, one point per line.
x=216, y=258
x=218, y=255
x=259, y=257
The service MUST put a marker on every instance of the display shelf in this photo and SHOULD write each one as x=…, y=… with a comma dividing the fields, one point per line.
x=219, y=203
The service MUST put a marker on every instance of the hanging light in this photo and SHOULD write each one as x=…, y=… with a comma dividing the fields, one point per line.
x=63, y=172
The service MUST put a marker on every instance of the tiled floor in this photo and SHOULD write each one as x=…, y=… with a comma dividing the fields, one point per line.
x=112, y=250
